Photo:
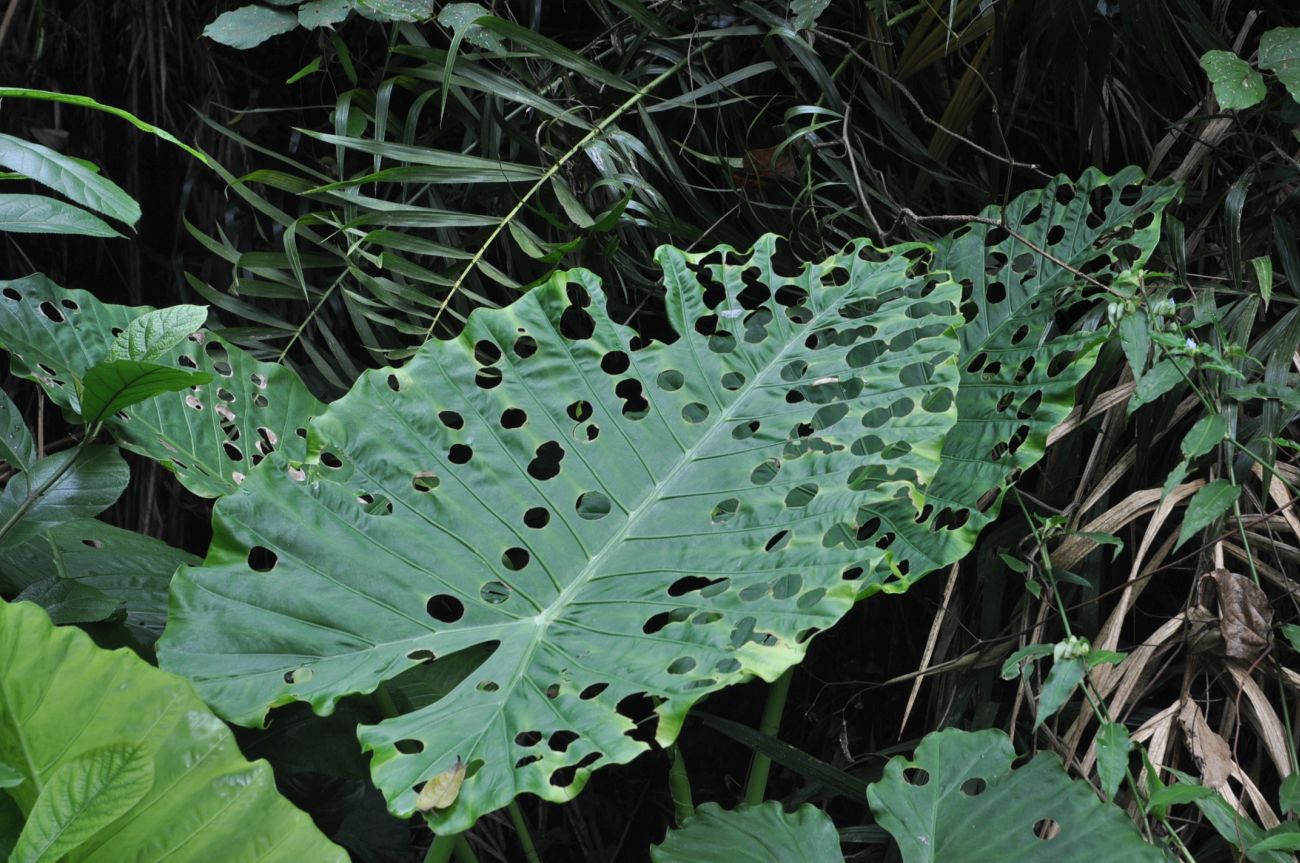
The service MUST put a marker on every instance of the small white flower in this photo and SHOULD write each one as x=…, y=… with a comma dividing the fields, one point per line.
x=1191, y=344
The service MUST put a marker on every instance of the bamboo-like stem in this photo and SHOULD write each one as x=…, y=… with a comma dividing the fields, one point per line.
x=770, y=724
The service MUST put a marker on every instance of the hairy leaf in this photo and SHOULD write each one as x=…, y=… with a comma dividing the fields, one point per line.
x=68, y=177
x=630, y=526
x=958, y=801
x=62, y=697
x=210, y=437
x=37, y=214
x=751, y=834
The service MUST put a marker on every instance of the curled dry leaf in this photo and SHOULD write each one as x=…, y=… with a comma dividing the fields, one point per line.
x=1245, y=618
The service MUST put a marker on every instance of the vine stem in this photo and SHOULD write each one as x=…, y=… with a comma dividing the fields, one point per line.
x=679, y=786
x=521, y=830
x=550, y=172
x=770, y=724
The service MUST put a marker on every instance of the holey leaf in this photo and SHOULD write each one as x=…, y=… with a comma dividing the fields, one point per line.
x=628, y=525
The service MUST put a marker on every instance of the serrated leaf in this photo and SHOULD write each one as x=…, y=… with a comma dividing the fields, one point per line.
x=91, y=485
x=153, y=334
x=250, y=26
x=68, y=177
x=1062, y=680
x=1279, y=53
x=1113, y=748
x=64, y=697
x=631, y=533
x=81, y=797
x=1210, y=501
x=751, y=834
x=37, y=214
x=16, y=444
x=1209, y=432
x=211, y=437
x=323, y=13
x=1236, y=84
x=115, y=385
x=958, y=801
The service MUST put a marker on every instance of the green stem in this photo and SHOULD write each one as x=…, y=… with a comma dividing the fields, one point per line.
x=679, y=786
x=461, y=850
x=770, y=724
x=440, y=850
x=521, y=830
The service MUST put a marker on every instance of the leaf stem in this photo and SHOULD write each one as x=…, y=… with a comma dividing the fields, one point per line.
x=679, y=786
x=462, y=851
x=521, y=830
x=44, y=488
x=769, y=724
x=440, y=850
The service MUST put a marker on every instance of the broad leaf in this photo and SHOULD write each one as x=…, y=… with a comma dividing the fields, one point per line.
x=1279, y=53
x=751, y=834
x=80, y=798
x=1019, y=372
x=959, y=801
x=115, y=385
x=1236, y=84
x=68, y=177
x=151, y=336
x=249, y=26
x=69, y=602
x=1065, y=676
x=1210, y=501
x=212, y=437
x=37, y=214
x=130, y=569
x=395, y=10
x=16, y=444
x=1208, y=433
x=85, y=482
x=621, y=521
x=324, y=13
x=61, y=697
x=1113, y=748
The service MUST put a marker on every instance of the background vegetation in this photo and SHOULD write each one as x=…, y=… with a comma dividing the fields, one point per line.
x=356, y=203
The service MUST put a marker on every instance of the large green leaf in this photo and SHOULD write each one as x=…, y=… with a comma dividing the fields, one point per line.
x=249, y=26
x=62, y=698
x=69, y=177
x=16, y=444
x=958, y=801
x=210, y=435
x=623, y=522
x=751, y=834
x=1019, y=370
x=129, y=569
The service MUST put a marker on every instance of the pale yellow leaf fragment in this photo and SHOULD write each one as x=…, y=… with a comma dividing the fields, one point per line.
x=441, y=791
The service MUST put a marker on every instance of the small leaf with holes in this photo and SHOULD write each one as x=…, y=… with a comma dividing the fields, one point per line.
x=959, y=801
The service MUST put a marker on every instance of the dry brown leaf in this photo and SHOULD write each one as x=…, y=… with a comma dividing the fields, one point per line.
x=1244, y=613
x=1211, y=752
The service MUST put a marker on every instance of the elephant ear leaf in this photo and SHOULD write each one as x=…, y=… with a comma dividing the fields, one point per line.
x=958, y=801
x=1019, y=369
x=625, y=525
x=121, y=761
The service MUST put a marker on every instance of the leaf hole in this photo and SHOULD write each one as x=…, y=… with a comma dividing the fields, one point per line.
x=513, y=418
x=494, y=592
x=614, y=363
x=262, y=559
x=546, y=461
x=409, y=746
x=460, y=454
x=592, y=505
x=528, y=738
x=445, y=608
x=560, y=741
x=916, y=776
x=515, y=558
x=537, y=517
x=592, y=691
x=486, y=353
